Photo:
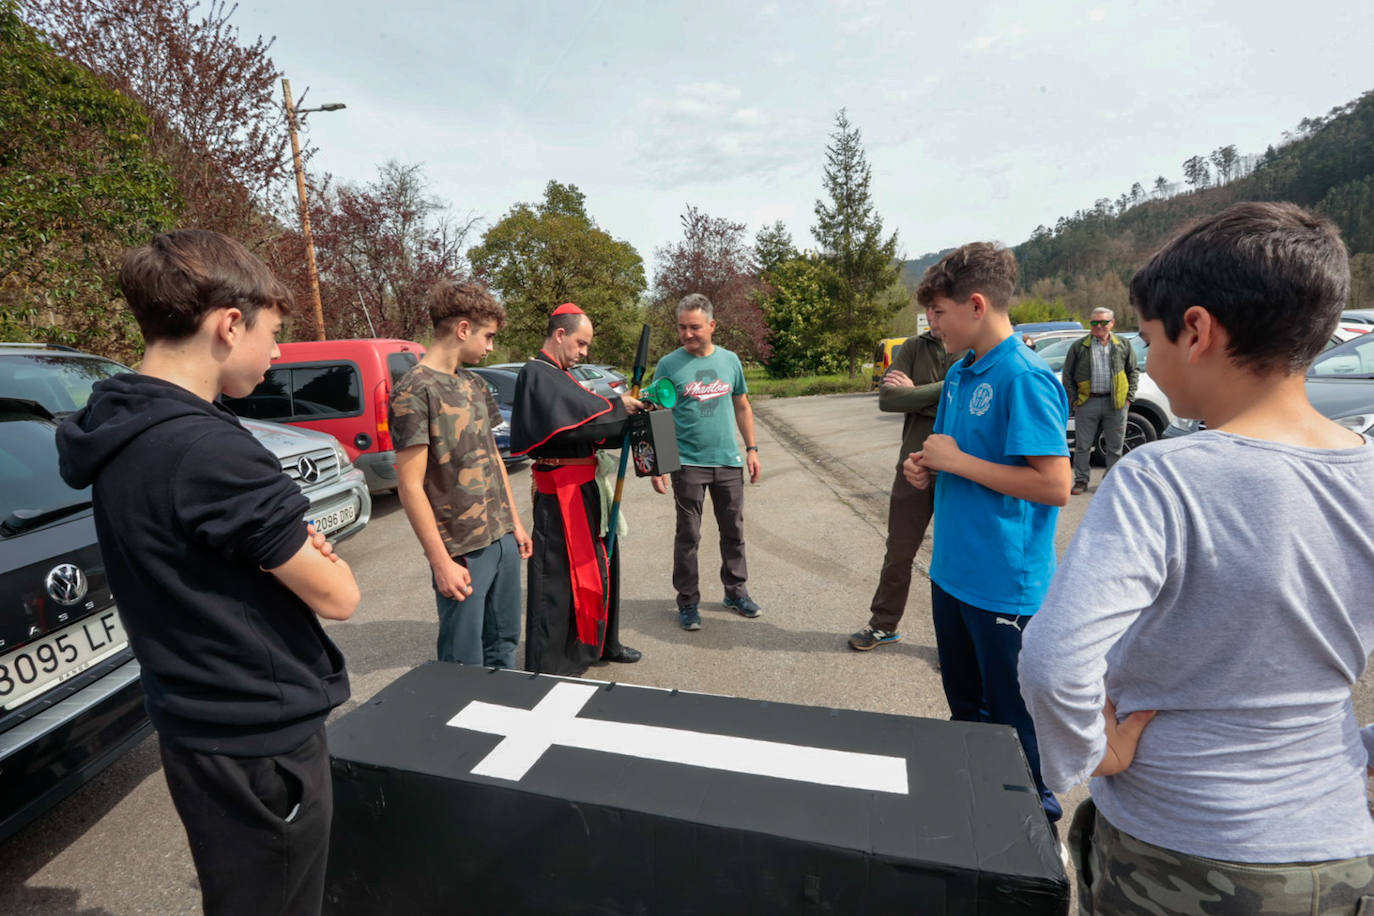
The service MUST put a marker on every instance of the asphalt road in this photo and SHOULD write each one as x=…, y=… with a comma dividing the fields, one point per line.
x=815, y=527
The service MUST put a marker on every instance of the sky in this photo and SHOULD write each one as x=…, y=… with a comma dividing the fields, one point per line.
x=981, y=120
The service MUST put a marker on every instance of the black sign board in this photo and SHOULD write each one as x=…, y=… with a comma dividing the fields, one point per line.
x=464, y=790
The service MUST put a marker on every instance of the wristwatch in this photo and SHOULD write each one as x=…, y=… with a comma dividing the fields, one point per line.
x=751, y=448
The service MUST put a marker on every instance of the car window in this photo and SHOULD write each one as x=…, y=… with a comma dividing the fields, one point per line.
x=303, y=393
x=1142, y=352
x=1352, y=359
x=28, y=467
x=502, y=385
x=398, y=364
x=1054, y=351
x=61, y=382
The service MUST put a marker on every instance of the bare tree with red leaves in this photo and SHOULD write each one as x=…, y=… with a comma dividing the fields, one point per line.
x=379, y=247
x=714, y=259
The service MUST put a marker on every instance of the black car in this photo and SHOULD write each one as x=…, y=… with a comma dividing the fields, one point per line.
x=70, y=698
x=501, y=381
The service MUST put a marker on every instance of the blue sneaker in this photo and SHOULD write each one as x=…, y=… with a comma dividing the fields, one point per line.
x=688, y=618
x=872, y=637
x=743, y=605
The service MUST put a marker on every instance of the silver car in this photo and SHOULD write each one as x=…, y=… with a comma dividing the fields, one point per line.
x=602, y=380
x=60, y=379
x=339, y=502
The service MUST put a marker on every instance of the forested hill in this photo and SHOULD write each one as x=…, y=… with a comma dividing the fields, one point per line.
x=913, y=270
x=1327, y=164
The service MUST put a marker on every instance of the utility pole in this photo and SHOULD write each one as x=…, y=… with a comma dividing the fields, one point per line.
x=305, y=209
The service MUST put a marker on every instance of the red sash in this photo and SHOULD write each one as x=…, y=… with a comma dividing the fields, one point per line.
x=589, y=598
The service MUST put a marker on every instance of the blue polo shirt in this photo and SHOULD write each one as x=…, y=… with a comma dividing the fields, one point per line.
x=994, y=551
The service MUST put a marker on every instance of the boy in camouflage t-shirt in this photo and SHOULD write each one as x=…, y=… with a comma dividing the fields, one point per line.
x=453, y=484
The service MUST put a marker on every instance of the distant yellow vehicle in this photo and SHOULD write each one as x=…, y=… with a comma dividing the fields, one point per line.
x=882, y=357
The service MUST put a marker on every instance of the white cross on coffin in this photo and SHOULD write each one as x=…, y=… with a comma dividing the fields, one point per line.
x=554, y=721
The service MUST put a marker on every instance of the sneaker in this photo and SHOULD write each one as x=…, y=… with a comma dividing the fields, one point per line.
x=872, y=637
x=743, y=605
x=688, y=618
x=1078, y=489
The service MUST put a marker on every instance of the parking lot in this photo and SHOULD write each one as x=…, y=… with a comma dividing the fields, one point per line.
x=815, y=526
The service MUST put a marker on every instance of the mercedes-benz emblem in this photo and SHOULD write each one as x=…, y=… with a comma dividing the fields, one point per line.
x=66, y=584
x=309, y=471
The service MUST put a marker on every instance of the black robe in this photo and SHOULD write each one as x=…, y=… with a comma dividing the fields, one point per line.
x=555, y=417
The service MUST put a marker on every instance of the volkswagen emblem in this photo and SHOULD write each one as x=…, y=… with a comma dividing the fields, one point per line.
x=308, y=469
x=66, y=584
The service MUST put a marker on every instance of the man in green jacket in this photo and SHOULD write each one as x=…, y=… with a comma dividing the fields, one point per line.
x=1100, y=374
x=912, y=386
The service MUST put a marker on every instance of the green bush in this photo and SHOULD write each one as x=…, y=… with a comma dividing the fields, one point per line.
x=1038, y=309
x=761, y=385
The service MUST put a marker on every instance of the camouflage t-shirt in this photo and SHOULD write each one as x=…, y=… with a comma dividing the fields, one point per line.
x=452, y=415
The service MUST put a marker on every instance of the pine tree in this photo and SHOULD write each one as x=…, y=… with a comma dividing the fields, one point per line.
x=850, y=234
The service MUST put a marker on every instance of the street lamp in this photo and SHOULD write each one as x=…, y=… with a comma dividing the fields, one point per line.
x=291, y=113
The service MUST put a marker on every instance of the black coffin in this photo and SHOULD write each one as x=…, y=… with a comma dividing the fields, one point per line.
x=944, y=818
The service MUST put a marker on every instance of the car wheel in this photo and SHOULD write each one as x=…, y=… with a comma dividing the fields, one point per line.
x=1139, y=430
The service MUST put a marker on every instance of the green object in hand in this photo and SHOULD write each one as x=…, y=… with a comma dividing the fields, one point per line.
x=662, y=392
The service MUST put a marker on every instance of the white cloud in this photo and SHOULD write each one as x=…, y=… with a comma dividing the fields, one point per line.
x=703, y=133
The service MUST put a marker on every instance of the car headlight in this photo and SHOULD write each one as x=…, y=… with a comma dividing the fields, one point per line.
x=341, y=456
x=1359, y=422
x=1182, y=427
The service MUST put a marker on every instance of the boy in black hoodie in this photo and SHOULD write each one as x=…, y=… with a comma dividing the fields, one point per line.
x=220, y=583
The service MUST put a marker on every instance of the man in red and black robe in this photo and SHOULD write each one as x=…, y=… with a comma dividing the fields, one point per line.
x=572, y=608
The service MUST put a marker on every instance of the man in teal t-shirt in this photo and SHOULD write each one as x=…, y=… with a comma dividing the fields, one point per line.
x=708, y=378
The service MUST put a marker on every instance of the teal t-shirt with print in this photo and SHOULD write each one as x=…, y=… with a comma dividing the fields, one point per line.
x=705, y=410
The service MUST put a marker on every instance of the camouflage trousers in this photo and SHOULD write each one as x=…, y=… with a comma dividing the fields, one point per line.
x=1118, y=874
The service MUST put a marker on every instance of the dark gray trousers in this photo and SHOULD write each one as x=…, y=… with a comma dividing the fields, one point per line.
x=726, y=486
x=908, y=515
x=1095, y=415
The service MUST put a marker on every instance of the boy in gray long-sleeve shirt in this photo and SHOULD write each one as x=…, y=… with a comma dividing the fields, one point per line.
x=1217, y=595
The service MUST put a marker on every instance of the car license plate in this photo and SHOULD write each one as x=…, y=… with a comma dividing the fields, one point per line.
x=42, y=665
x=332, y=521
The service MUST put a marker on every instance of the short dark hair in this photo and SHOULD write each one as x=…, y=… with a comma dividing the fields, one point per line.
x=1272, y=274
x=568, y=321
x=452, y=301
x=978, y=267
x=181, y=276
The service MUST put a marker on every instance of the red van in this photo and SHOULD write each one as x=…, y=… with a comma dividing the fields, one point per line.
x=339, y=387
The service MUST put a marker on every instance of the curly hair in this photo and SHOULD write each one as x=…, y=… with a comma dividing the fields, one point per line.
x=978, y=267
x=452, y=301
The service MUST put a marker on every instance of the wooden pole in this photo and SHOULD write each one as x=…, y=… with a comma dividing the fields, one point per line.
x=305, y=211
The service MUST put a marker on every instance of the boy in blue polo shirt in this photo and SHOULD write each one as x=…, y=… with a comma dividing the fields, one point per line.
x=1000, y=465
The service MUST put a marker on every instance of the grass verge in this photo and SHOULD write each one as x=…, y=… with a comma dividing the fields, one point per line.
x=762, y=386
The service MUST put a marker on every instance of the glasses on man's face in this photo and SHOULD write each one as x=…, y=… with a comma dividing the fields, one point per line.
x=1100, y=324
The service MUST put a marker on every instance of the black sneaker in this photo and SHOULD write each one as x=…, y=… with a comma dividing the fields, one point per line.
x=688, y=618
x=872, y=637
x=743, y=605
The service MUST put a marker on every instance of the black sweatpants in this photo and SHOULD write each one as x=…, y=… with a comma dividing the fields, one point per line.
x=258, y=826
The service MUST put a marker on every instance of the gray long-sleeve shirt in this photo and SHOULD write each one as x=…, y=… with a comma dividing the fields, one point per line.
x=1228, y=583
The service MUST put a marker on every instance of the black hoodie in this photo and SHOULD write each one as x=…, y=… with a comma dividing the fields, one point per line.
x=190, y=508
